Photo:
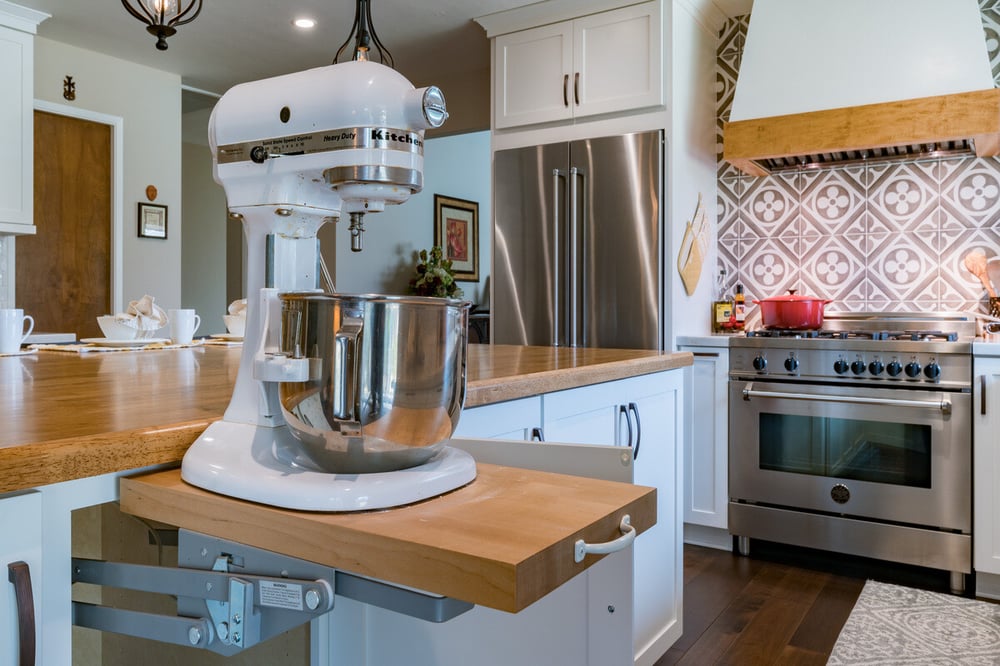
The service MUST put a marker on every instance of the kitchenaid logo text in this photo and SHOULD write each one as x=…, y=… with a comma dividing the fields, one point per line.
x=322, y=142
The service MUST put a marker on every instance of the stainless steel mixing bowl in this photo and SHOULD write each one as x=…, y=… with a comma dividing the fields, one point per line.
x=387, y=377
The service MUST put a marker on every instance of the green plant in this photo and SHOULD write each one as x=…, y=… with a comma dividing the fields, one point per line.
x=433, y=276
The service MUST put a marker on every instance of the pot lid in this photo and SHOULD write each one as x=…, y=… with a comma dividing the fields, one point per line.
x=791, y=297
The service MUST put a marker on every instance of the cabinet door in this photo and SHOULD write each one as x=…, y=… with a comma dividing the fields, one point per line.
x=532, y=76
x=656, y=405
x=514, y=419
x=986, y=453
x=653, y=413
x=706, y=451
x=16, y=130
x=617, y=59
x=20, y=540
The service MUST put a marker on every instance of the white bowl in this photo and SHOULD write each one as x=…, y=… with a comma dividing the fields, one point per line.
x=235, y=324
x=116, y=330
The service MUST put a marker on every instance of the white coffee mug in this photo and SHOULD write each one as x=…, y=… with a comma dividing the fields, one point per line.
x=12, y=332
x=183, y=324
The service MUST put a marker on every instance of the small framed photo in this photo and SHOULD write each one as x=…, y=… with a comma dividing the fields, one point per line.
x=456, y=232
x=152, y=220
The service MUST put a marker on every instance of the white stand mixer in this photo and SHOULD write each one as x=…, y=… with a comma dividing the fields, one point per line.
x=293, y=152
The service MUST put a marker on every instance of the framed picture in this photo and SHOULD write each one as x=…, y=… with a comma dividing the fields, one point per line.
x=152, y=220
x=456, y=232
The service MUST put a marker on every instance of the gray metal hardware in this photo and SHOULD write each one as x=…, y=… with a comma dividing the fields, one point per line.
x=231, y=596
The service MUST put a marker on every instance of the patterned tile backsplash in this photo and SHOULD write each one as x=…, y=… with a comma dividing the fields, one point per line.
x=879, y=237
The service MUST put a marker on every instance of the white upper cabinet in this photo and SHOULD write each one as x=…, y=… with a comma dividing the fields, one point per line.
x=16, y=135
x=17, y=67
x=597, y=64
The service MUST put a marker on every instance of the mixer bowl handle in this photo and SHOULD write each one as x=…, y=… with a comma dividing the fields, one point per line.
x=348, y=357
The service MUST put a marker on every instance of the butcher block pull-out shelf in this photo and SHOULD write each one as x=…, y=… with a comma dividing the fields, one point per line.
x=503, y=541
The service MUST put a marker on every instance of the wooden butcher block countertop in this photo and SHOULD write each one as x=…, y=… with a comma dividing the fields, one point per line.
x=69, y=416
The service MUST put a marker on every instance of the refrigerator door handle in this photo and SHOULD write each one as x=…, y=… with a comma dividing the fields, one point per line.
x=575, y=224
x=556, y=300
x=574, y=260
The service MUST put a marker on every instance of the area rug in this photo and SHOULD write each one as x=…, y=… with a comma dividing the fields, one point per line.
x=892, y=624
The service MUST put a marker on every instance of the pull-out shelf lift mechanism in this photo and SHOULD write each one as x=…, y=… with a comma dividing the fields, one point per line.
x=231, y=596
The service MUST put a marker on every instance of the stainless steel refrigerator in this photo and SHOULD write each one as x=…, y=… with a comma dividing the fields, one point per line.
x=576, y=243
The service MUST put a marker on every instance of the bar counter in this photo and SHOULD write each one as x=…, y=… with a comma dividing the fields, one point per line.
x=69, y=416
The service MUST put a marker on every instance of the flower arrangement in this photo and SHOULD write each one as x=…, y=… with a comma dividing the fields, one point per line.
x=434, y=276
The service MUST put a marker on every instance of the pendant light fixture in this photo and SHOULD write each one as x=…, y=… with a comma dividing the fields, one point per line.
x=162, y=16
x=363, y=33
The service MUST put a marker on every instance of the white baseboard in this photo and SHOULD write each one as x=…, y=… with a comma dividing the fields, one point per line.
x=710, y=537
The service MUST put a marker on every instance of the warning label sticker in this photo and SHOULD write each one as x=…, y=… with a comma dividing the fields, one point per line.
x=281, y=595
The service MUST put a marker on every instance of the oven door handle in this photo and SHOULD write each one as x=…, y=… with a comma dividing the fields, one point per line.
x=943, y=405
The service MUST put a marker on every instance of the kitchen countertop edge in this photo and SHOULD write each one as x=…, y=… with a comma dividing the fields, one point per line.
x=37, y=463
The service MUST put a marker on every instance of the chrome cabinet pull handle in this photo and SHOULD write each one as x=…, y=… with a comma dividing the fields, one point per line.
x=581, y=548
x=20, y=575
x=634, y=408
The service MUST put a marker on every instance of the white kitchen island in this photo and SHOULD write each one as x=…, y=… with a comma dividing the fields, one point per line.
x=154, y=404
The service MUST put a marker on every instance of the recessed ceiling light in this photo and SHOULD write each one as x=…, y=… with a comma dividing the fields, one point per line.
x=304, y=23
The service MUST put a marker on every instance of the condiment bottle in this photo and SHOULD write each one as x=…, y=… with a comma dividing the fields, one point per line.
x=722, y=307
x=739, y=308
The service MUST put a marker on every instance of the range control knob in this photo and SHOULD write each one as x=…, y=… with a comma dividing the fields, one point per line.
x=791, y=364
x=932, y=370
x=840, y=366
x=858, y=367
x=912, y=369
x=894, y=368
x=876, y=367
x=759, y=363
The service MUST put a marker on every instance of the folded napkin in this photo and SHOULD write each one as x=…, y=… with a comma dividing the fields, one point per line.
x=238, y=308
x=143, y=315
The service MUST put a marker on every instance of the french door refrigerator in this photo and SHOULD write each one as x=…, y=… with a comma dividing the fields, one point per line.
x=577, y=257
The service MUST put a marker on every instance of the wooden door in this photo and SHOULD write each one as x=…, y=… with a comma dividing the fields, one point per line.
x=63, y=272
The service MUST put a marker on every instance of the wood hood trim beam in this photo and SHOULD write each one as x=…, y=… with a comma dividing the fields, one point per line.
x=971, y=115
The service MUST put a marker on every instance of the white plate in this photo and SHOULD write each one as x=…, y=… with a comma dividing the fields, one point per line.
x=227, y=336
x=136, y=342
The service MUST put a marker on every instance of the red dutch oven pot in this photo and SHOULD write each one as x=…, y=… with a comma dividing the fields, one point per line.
x=792, y=311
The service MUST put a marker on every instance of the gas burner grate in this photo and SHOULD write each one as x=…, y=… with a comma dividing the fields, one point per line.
x=916, y=336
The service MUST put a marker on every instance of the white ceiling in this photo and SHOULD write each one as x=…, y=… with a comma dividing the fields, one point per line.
x=242, y=40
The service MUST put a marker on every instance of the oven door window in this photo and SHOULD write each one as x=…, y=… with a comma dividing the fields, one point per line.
x=862, y=450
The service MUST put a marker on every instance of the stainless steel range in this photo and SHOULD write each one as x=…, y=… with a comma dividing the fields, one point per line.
x=857, y=438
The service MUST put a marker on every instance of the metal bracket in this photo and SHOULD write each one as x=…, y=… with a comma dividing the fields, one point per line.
x=231, y=596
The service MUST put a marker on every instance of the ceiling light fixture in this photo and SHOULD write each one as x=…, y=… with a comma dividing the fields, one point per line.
x=162, y=16
x=365, y=38
x=304, y=23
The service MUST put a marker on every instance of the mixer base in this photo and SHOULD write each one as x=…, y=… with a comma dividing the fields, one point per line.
x=258, y=464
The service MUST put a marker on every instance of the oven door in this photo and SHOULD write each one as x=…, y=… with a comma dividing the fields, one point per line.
x=896, y=455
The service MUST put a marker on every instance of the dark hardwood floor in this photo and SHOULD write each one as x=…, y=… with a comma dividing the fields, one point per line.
x=751, y=611
x=783, y=605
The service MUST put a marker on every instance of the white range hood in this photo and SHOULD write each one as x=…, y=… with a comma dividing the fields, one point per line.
x=822, y=83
